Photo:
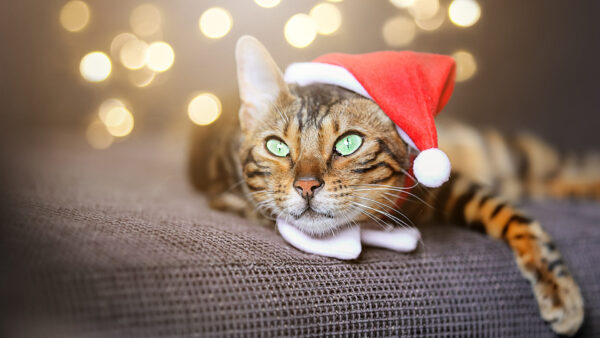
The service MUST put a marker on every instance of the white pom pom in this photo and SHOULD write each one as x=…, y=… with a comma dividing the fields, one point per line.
x=432, y=168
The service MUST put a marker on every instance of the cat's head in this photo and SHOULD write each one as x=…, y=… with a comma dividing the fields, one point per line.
x=319, y=156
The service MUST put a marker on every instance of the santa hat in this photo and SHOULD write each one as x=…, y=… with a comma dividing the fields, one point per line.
x=411, y=88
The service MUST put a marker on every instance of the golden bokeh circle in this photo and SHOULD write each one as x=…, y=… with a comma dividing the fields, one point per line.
x=215, y=22
x=74, y=16
x=424, y=9
x=433, y=23
x=402, y=3
x=133, y=54
x=98, y=136
x=327, y=16
x=95, y=66
x=204, y=109
x=464, y=13
x=145, y=20
x=159, y=56
x=142, y=77
x=466, y=66
x=267, y=3
x=300, y=30
x=118, y=42
x=119, y=122
x=107, y=106
x=399, y=31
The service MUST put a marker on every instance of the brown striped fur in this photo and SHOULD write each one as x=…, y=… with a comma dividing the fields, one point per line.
x=490, y=172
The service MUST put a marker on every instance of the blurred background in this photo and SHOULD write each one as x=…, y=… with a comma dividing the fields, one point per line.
x=99, y=100
x=113, y=70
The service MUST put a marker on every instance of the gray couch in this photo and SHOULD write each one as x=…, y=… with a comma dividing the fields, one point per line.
x=115, y=243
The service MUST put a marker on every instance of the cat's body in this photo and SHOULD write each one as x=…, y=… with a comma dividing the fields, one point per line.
x=307, y=181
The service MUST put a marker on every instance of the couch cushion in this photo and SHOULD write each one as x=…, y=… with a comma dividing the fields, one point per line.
x=116, y=243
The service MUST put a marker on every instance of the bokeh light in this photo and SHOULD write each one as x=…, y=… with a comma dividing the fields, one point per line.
x=432, y=23
x=399, y=31
x=215, y=22
x=119, y=121
x=424, y=9
x=95, y=67
x=98, y=136
x=204, y=109
x=142, y=77
x=133, y=54
x=145, y=20
x=464, y=13
x=267, y=3
x=402, y=3
x=74, y=16
x=300, y=30
x=159, y=56
x=118, y=42
x=327, y=17
x=466, y=66
x=107, y=106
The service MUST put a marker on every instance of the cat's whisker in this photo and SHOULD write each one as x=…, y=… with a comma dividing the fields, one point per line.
x=268, y=200
x=414, y=179
x=419, y=199
x=373, y=218
x=383, y=188
x=398, y=210
x=348, y=219
x=394, y=203
x=264, y=204
x=385, y=206
x=283, y=117
x=264, y=207
x=388, y=214
x=385, y=185
x=398, y=196
x=279, y=214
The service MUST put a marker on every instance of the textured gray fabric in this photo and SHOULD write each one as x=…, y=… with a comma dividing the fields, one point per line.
x=116, y=243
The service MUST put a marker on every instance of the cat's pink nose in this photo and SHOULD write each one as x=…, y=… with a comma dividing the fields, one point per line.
x=307, y=186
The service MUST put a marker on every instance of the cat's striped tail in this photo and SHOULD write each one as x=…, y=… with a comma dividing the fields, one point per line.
x=463, y=202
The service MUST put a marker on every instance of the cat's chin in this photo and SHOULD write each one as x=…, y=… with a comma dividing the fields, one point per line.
x=316, y=224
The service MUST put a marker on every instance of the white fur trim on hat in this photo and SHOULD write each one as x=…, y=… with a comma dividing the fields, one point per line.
x=406, y=138
x=432, y=167
x=305, y=73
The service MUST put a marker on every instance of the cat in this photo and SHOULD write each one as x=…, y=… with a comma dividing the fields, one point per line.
x=284, y=159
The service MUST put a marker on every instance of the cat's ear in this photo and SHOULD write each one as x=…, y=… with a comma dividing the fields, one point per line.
x=260, y=81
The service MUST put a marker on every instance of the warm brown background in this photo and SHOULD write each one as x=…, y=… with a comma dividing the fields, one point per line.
x=537, y=60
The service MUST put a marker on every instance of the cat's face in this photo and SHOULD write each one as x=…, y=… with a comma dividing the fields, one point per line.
x=319, y=156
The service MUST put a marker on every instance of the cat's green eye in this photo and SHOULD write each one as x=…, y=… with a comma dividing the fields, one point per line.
x=277, y=147
x=348, y=144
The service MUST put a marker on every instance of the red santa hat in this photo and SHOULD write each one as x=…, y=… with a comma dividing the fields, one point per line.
x=411, y=88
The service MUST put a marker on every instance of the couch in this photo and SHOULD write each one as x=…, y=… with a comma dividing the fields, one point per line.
x=116, y=243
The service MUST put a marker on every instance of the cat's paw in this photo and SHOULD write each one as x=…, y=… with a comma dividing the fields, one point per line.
x=561, y=304
x=556, y=292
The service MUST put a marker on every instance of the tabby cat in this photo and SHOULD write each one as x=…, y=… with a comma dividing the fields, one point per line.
x=285, y=160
